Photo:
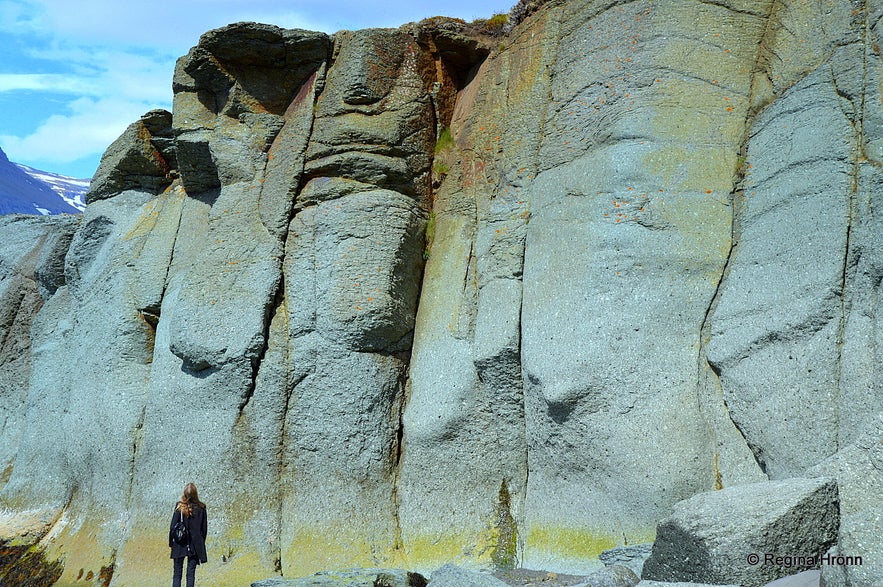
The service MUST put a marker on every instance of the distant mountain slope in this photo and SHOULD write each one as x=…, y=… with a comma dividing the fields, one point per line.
x=72, y=190
x=24, y=190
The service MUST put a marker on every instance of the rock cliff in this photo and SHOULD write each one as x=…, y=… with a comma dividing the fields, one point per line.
x=440, y=294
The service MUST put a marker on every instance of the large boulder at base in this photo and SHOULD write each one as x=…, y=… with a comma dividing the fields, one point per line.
x=632, y=556
x=747, y=535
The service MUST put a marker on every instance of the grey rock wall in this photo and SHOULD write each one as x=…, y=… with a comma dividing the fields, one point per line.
x=407, y=297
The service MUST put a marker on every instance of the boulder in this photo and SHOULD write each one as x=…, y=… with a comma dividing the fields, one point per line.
x=748, y=535
x=141, y=159
x=632, y=556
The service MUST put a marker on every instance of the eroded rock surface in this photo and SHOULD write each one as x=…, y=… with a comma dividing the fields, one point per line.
x=401, y=297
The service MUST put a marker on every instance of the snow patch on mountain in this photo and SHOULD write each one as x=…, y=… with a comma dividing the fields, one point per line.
x=25, y=190
x=72, y=190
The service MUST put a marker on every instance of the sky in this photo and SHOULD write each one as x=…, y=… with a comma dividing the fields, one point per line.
x=75, y=73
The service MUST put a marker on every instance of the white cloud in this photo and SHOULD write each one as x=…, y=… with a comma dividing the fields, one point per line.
x=114, y=89
x=47, y=82
x=89, y=127
x=176, y=25
x=108, y=89
x=168, y=24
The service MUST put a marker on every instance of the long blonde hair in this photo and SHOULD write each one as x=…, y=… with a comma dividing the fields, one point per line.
x=189, y=499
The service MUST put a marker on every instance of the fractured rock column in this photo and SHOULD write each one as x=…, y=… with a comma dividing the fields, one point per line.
x=31, y=271
x=353, y=265
x=464, y=467
x=792, y=335
x=628, y=237
x=243, y=106
x=860, y=379
x=85, y=402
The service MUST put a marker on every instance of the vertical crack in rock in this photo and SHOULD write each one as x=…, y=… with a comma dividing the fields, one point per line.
x=705, y=368
x=256, y=362
x=404, y=385
x=171, y=256
x=281, y=450
x=398, y=541
x=505, y=553
x=18, y=309
x=850, y=256
x=312, y=84
x=520, y=521
x=152, y=313
x=703, y=364
x=762, y=64
x=316, y=82
x=756, y=452
x=278, y=473
x=137, y=435
x=12, y=310
x=554, y=21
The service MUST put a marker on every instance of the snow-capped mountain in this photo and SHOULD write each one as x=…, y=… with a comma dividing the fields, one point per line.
x=25, y=190
x=72, y=190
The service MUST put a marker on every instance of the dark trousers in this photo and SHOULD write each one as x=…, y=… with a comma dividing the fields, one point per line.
x=178, y=569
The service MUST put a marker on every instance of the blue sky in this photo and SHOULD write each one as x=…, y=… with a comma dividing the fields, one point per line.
x=75, y=73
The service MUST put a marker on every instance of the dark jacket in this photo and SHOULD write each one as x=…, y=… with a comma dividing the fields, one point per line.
x=197, y=527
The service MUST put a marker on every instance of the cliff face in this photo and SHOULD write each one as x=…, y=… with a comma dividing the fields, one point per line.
x=403, y=297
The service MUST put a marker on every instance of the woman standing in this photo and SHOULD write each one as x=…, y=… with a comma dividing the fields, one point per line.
x=192, y=512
